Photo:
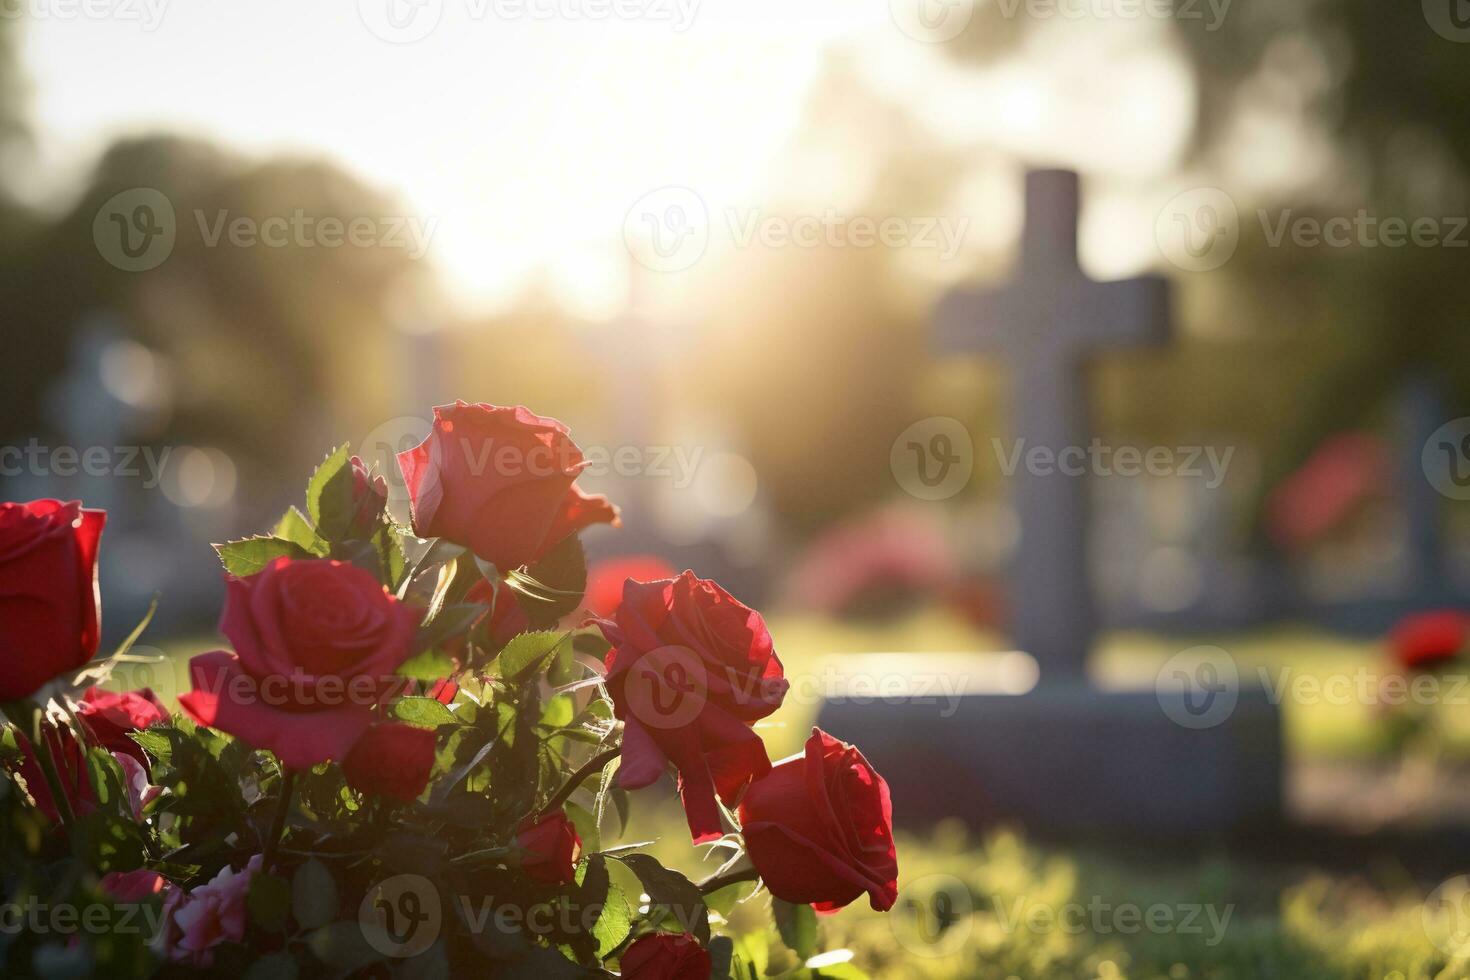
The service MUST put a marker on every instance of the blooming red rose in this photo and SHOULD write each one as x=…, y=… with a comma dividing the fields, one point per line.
x=661, y=956
x=316, y=646
x=70, y=758
x=391, y=759
x=819, y=828
x=552, y=848
x=369, y=498
x=499, y=481
x=691, y=669
x=1428, y=639
x=110, y=716
x=605, y=580
x=48, y=592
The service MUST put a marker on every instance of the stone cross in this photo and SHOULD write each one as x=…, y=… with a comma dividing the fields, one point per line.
x=1048, y=324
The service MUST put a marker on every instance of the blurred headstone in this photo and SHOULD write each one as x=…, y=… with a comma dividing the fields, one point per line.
x=1200, y=758
x=664, y=498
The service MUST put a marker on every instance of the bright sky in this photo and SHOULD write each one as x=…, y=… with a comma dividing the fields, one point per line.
x=525, y=140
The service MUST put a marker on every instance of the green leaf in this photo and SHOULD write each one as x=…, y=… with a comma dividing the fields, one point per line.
x=269, y=901
x=798, y=927
x=528, y=652
x=313, y=895
x=249, y=555
x=614, y=922
x=424, y=712
x=554, y=585
x=430, y=665
x=107, y=781
x=294, y=527
x=343, y=947
x=676, y=893
x=391, y=561
x=329, y=495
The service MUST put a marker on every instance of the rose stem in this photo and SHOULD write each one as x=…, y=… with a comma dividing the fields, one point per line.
x=710, y=885
x=41, y=745
x=593, y=765
x=278, y=825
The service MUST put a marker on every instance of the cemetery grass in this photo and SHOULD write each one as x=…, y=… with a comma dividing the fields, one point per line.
x=1037, y=912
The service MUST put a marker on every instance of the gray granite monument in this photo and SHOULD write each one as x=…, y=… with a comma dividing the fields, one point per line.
x=1193, y=754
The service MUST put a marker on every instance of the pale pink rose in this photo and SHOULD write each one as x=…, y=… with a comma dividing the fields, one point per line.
x=197, y=921
x=135, y=781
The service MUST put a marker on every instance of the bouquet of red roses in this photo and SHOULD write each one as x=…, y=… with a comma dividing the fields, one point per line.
x=404, y=763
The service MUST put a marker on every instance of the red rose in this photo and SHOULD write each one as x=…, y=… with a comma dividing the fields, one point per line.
x=552, y=848
x=819, y=828
x=316, y=644
x=48, y=592
x=605, y=580
x=690, y=670
x=369, y=498
x=660, y=956
x=391, y=759
x=1428, y=639
x=133, y=886
x=499, y=481
x=71, y=770
x=110, y=716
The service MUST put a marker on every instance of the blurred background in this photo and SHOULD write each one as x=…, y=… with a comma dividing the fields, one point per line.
x=710, y=236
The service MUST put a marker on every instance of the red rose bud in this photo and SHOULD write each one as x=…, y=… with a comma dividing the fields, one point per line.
x=1429, y=639
x=660, y=956
x=499, y=481
x=552, y=848
x=605, y=580
x=691, y=669
x=391, y=759
x=369, y=499
x=110, y=717
x=70, y=758
x=504, y=619
x=48, y=592
x=133, y=886
x=819, y=828
x=317, y=643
